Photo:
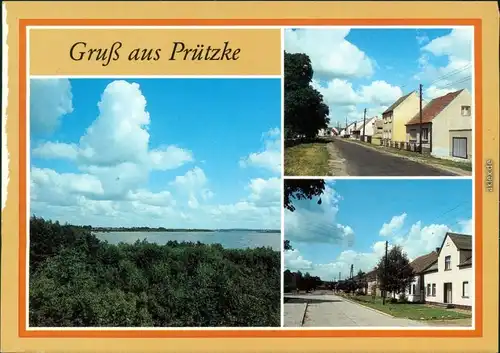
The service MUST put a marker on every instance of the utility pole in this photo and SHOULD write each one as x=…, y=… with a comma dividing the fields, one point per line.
x=364, y=123
x=352, y=271
x=340, y=276
x=385, y=273
x=420, y=135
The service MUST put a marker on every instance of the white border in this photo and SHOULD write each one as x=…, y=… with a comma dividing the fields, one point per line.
x=283, y=29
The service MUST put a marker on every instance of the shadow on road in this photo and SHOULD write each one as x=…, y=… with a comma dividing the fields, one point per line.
x=309, y=300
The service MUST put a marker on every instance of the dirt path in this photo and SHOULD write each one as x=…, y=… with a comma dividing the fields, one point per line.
x=336, y=163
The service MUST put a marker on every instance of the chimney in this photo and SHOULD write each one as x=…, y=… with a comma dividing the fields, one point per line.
x=437, y=249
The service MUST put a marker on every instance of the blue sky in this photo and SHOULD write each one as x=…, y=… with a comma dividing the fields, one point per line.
x=371, y=68
x=356, y=217
x=169, y=152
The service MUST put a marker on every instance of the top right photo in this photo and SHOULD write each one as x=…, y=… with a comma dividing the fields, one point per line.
x=379, y=101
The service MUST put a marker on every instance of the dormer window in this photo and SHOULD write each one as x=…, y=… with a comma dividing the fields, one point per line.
x=466, y=110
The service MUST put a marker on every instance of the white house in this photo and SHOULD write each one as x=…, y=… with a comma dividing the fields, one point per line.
x=446, y=127
x=325, y=132
x=416, y=291
x=445, y=277
x=366, y=128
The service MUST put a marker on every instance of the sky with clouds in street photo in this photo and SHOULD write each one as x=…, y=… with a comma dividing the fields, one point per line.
x=357, y=217
x=358, y=68
x=177, y=153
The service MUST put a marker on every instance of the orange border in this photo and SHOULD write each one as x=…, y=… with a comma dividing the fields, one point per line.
x=279, y=332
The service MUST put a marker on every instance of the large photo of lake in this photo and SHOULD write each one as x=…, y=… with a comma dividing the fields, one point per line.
x=155, y=203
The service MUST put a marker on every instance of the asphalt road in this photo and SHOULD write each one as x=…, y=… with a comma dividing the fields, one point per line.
x=363, y=161
x=333, y=311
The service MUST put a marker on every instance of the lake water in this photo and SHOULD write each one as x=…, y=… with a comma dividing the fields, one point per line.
x=233, y=239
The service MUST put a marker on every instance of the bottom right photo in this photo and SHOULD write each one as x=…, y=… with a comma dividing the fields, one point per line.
x=383, y=253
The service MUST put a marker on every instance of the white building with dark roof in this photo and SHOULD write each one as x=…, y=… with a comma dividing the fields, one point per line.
x=449, y=280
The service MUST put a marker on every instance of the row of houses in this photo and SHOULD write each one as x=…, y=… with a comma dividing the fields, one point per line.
x=446, y=126
x=442, y=277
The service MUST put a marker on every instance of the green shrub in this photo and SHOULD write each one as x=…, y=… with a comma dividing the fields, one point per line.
x=78, y=280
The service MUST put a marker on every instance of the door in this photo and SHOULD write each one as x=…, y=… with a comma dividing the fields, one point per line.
x=459, y=147
x=447, y=293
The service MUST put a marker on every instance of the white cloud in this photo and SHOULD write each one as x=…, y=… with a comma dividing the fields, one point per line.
x=345, y=101
x=56, y=150
x=311, y=222
x=394, y=226
x=332, y=56
x=456, y=74
x=50, y=100
x=194, y=184
x=296, y=262
x=341, y=92
x=265, y=192
x=270, y=157
x=114, y=161
x=169, y=157
x=62, y=189
x=118, y=135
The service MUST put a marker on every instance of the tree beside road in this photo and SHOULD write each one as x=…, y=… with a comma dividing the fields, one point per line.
x=305, y=111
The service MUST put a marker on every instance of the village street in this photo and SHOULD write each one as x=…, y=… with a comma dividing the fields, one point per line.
x=359, y=160
x=330, y=310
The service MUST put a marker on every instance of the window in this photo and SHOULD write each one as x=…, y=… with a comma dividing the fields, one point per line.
x=425, y=134
x=459, y=147
x=434, y=289
x=414, y=290
x=447, y=263
x=466, y=110
x=428, y=290
x=465, y=289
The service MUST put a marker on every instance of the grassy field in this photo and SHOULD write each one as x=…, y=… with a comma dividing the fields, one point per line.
x=410, y=310
x=307, y=159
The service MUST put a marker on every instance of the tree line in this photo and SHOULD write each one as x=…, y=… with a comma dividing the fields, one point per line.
x=77, y=280
x=392, y=274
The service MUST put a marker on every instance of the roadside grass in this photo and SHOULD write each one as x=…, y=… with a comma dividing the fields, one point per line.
x=423, y=157
x=411, y=311
x=307, y=159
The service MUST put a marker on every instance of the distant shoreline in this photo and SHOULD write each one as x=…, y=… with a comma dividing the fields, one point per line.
x=169, y=230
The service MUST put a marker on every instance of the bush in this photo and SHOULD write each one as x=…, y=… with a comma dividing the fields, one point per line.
x=76, y=280
x=393, y=300
x=403, y=298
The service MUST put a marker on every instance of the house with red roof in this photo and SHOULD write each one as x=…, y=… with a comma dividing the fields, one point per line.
x=446, y=126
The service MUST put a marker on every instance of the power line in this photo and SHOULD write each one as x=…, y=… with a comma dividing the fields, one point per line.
x=452, y=73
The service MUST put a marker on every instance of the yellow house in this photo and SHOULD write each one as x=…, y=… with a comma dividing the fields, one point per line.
x=397, y=115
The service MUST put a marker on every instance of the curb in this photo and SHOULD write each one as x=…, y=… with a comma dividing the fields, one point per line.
x=435, y=166
x=304, y=315
x=367, y=307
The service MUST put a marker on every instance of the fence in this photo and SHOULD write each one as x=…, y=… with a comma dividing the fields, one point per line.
x=407, y=146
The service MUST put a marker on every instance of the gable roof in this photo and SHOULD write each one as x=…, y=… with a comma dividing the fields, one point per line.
x=433, y=108
x=461, y=241
x=371, y=276
x=423, y=262
x=397, y=103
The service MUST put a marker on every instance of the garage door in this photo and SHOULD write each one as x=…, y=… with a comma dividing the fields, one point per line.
x=459, y=147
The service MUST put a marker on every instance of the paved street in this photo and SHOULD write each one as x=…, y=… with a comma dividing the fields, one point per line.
x=365, y=161
x=333, y=311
